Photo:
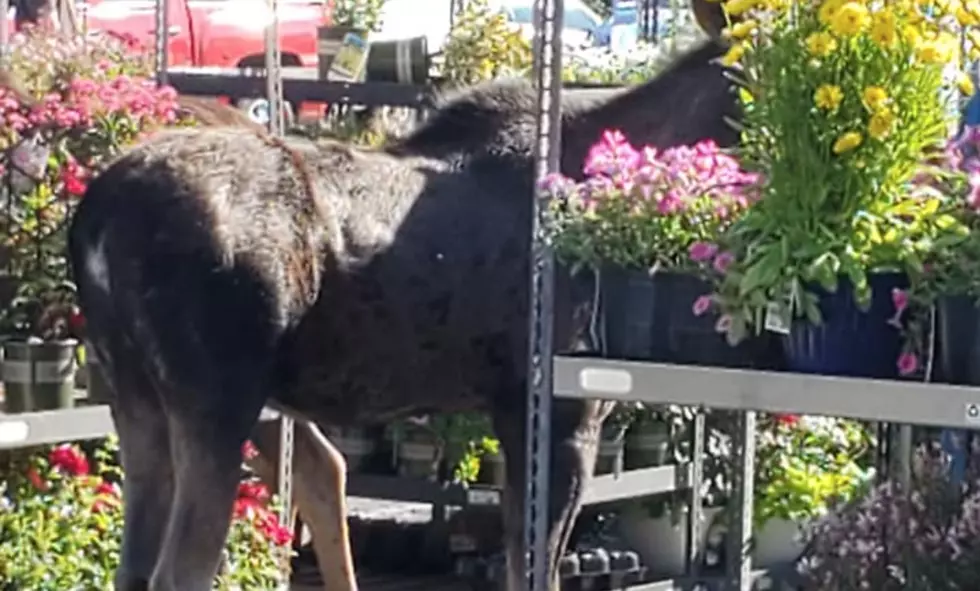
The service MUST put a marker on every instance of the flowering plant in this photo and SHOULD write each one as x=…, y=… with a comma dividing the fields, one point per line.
x=61, y=524
x=841, y=101
x=644, y=208
x=895, y=538
x=805, y=464
x=89, y=99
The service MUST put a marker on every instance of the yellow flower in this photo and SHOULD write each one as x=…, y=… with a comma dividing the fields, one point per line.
x=847, y=142
x=821, y=44
x=828, y=97
x=911, y=34
x=965, y=84
x=745, y=95
x=940, y=50
x=738, y=7
x=883, y=28
x=881, y=124
x=966, y=17
x=734, y=53
x=741, y=30
x=828, y=9
x=850, y=19
x=874, y=98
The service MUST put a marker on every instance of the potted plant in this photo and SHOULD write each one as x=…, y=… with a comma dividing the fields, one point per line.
x=645, y=221
x=840, y=103
x=647, y=439
x=656, y=527
x=894, y=537
x=98, y=97
x=950, y=281
x=419, y=449
x=468, y=442
x=483, y=45
x=355, y=443
x=342, y=46
x=804, y=465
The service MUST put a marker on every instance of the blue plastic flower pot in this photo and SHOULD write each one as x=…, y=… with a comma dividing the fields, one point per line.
x=849, y=342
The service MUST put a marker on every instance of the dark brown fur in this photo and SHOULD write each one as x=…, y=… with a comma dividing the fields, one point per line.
x=212, y=287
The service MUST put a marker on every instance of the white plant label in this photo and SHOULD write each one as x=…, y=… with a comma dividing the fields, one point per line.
x=777, y=318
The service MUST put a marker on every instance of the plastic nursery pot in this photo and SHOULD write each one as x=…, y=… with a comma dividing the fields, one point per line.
x=419, y=454
x=98, y=388
x=647, y=445
x=777, y=543
x=651, y=317
x=354, y=442
x=493, y=471
x=610, y=452
x=957, y=341
x=849, y=342
x=39, y=375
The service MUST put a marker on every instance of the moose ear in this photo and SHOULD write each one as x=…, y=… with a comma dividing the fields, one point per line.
x=710, y=16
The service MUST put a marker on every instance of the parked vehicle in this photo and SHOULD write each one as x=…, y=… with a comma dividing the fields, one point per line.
x=664, y=19
x=579, y=21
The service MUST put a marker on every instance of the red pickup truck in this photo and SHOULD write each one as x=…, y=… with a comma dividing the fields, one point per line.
x=216, y=33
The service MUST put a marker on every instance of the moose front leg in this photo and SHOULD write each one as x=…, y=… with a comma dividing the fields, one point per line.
x=575, y=427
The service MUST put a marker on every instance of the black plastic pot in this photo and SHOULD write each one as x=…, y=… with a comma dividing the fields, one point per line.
x=651, y=318
x=405, y=61
x=957, y=341
x=850, y=341
x=39, y=376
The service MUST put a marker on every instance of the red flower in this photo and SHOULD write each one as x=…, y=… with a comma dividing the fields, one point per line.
x=249, y=451
x=787, y=420
x=106, y=496
x=253, y=490
x=69, y=459
x=36, y=481
x=71, y=178
x=76, y=320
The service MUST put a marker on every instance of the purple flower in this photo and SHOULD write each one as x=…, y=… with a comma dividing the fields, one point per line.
x=723, y=261
x=702, y=251
x=701, y=305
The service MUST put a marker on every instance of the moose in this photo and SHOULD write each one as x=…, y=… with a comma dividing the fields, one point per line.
x=221, y=271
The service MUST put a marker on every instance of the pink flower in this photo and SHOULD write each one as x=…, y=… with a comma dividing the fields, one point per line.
x=723, y=262
x=701, y=305
x=702, y=251
x=900, y=299
x=723, y=324
x=907, y=363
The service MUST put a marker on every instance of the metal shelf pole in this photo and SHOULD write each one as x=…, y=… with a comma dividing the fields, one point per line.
x=162, y=28
x=277, y=127
x=547, y=78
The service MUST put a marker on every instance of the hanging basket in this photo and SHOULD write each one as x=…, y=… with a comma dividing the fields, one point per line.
x=849, y=342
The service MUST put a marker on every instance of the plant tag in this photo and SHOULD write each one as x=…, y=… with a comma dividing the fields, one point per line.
x=348, y=65
x=972, y=413
x=482, y=497
x=28, y=160
x=777, y=318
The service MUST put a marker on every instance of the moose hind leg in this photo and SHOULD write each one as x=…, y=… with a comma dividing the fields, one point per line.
x=148, y=480
x=575, y=427
x=320, y=488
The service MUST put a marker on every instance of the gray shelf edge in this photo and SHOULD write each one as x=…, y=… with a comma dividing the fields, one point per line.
x=938, y=405
x=70, y=424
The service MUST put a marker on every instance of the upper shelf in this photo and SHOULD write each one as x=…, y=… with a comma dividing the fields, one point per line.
x=892, y=401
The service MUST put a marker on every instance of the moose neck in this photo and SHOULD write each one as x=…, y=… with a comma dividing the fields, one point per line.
x=684, y=104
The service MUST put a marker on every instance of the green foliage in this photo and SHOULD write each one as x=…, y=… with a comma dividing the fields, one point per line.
x=61, y=526
x=468, y=437
x=361, y=15
x=482, y=45
x=804, y=465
